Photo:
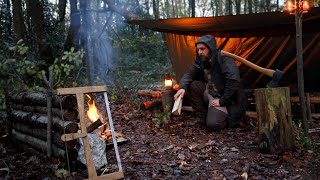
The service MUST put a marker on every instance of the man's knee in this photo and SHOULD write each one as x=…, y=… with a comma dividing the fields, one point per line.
x=216, y=119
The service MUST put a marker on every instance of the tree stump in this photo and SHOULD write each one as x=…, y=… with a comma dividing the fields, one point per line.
x=274, y=120
x=167, y=100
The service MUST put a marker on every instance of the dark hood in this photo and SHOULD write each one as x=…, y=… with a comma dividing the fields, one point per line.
x=210, y=41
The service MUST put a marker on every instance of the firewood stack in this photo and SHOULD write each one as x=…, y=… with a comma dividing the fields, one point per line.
x=28, y=118
x=153, y=100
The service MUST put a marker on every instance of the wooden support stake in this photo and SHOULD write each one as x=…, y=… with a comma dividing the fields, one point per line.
x=274, y=120
x=167, y=101
x=308, y=106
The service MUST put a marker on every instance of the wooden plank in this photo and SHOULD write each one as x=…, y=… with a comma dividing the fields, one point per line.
x=313, y=99
x=81, y=90
x=72, y=136
x=115, y=175
x=90, y=164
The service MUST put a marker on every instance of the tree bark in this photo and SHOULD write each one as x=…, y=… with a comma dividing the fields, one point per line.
x=155, y=7
x=73, y=31
x=238, y=6
x=250, y=6
x=39, y=120
x=38, y=24
x=18, y=22
x=41, y=145
x=151, y=93
x=274, y=120
x=193, y=8
x=67, y=114
x=40, y=99
x=42, y=134
x=229, y=10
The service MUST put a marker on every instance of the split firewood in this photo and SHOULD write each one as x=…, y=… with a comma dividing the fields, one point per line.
x=176, y=110
x=41, y=145
x=40, y=99
x=67, y=114
x=41, y=133
x=41, y=120
x=151, y=93
x=150, y=104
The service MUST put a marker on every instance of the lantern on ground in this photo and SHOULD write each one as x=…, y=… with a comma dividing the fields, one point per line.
x=168, y=82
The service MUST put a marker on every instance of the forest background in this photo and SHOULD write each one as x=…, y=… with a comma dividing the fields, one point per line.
x=89, y=42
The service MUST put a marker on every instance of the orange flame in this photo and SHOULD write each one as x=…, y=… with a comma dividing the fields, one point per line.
x=290, y=6
x=93, y=112
x=305, y=5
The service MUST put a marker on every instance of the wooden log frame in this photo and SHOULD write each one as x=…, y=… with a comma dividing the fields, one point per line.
x=274, y=120
x=67, y=114
x=41, y=145
x=41, y=120
x=41, y=133
x=40, y=99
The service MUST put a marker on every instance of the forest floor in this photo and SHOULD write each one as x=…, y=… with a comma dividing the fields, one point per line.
x=178, y=149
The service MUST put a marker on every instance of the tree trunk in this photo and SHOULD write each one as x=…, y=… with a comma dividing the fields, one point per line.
x=155, y=7
x=85, y=43
x=250, y=5
x=40, y=120
x=42, y=134
x=274, y=120
x=73, y=31
x=238, y=6
x=229, y=10
x=38, y=25
x=18, y=22
x=193, y=8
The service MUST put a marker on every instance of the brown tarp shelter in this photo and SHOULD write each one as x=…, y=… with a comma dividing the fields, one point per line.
x=266, y=39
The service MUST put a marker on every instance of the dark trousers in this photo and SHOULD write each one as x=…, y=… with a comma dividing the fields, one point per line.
x=212, y=117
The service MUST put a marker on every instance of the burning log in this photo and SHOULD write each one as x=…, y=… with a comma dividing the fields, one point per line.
x=40, y=99
x=41, y=120
x=41, y=145
x=93, y=126
x=151, y=93
x=67, y=114
x=42, y=134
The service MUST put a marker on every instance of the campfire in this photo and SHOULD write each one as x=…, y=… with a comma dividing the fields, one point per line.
x=96, y=120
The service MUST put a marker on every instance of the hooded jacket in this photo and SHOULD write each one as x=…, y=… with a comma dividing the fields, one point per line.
x=224, y=75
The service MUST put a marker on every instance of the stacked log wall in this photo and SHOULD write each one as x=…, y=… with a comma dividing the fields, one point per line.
x=28, y=119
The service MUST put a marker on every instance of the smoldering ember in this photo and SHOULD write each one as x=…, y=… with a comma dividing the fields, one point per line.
x=159, y=89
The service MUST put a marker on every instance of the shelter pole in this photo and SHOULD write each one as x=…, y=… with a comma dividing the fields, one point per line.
x=298, y=19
